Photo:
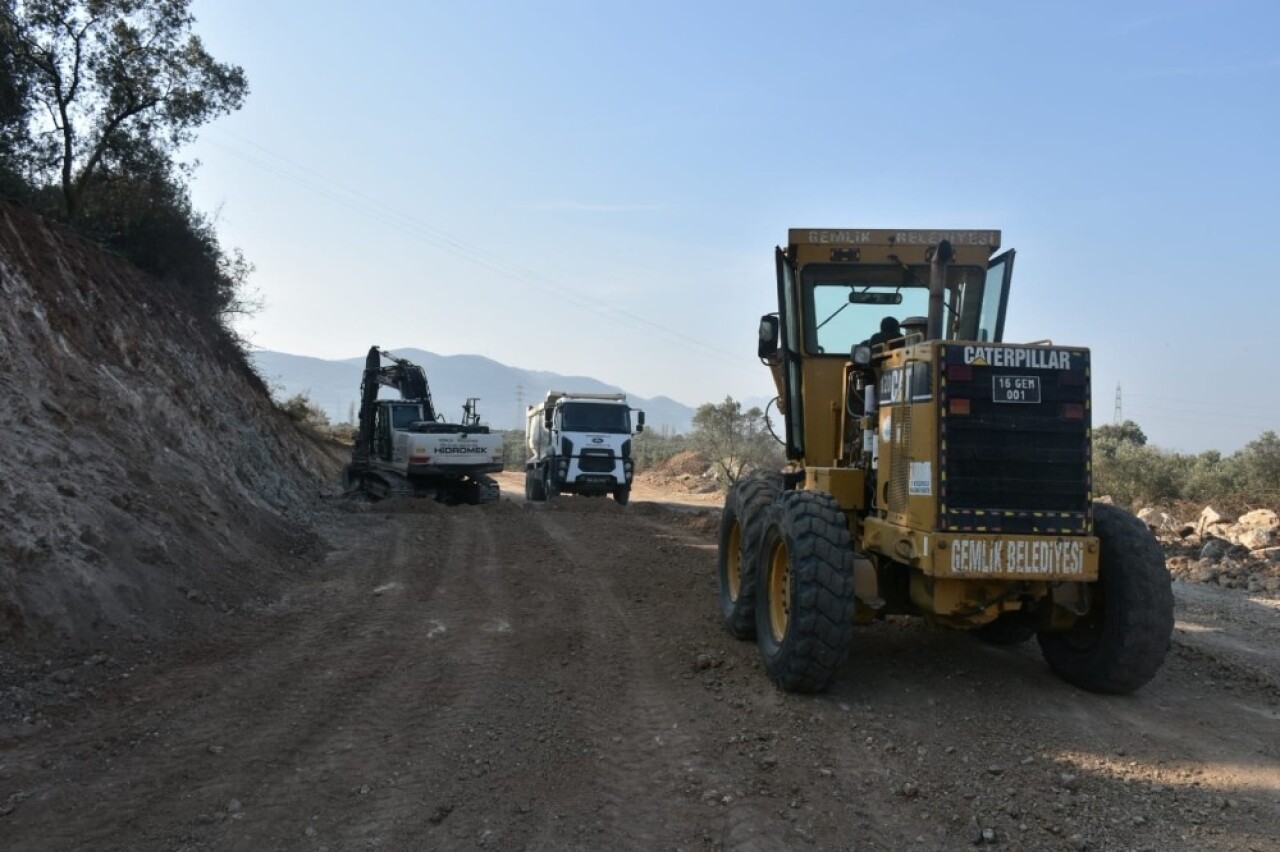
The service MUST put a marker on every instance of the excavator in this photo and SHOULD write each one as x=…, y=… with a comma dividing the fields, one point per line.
x=404, y=448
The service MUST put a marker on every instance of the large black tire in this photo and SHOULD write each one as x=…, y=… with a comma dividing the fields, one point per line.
x=1122, y=642
x=804, y=591
x=533, y=485
x=741, y=522
x=622, y=494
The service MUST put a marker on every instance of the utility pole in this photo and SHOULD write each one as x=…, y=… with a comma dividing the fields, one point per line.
x=519, y=406
x=1118, y=417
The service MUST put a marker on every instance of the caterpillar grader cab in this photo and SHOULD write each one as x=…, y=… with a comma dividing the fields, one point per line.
x=935, y=470
x=404, y=448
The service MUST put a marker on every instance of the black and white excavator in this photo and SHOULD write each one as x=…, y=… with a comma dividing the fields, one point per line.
x=405, y=449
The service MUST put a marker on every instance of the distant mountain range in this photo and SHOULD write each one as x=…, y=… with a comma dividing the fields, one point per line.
x=504, y=391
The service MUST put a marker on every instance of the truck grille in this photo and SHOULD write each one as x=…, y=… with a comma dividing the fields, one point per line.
x=596, y=461
x=1014, y=466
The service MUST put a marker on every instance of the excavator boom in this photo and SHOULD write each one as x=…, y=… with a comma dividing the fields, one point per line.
x=403, y=447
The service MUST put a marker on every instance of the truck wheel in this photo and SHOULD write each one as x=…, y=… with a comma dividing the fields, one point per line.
x=622, y=495
x=804, y=588
x=533, y=485
x=549, y=489
x=741, y=520
x=1121, y=643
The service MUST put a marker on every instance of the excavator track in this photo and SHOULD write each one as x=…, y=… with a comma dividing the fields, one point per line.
x=383, y=485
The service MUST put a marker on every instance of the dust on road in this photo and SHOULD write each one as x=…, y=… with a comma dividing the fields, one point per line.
x=554, y=676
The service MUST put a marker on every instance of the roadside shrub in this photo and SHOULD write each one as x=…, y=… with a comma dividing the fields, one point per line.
x=300, y=409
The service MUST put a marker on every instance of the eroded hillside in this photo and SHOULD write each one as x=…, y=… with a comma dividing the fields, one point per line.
x=147, y=482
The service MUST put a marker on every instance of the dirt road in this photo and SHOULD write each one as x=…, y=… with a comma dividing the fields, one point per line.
x=554, y=676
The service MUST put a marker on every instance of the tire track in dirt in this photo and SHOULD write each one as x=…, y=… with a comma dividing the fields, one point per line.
x=662, y=782
x=742, y=807
x=641, y=745
x=302, y=707
x=556, y=677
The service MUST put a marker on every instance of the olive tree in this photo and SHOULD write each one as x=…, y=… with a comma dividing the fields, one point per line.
x=735, y=441
x=110, y=78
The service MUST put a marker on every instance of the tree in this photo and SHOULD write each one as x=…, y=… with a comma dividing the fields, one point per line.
x=1259, y=467
x=110, y=78
x=1111, y=436
x=734, y=440
x=15, y=110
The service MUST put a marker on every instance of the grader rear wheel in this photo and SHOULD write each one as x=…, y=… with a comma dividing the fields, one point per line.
x=1122, y=642
x=804, y=590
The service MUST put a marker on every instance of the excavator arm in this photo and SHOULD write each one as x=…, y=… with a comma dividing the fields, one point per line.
x=407, y=378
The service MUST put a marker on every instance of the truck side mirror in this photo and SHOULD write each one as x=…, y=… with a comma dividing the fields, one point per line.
x=639, y=421
x=768, y=346
x=547, y=418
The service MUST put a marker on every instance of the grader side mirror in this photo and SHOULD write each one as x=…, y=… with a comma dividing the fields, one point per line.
x=768, y=346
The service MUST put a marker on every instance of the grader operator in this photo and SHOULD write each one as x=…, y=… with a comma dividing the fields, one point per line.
x=935, y=470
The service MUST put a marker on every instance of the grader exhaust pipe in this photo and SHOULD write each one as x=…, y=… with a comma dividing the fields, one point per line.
x=942, y=256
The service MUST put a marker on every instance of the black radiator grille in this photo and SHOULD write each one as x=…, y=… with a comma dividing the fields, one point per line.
x=596, y=461
x=1017, y=467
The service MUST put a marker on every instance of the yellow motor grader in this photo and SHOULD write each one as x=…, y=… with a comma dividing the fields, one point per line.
x=935, y=470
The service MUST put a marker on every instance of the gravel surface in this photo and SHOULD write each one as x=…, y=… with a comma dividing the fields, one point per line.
x=555, y=676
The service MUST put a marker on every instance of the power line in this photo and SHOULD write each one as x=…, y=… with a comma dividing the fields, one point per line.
x=352, y=199
x=1235, y=406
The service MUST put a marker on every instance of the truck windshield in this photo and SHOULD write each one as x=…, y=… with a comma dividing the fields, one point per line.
x=844, y=305
x=595, y=417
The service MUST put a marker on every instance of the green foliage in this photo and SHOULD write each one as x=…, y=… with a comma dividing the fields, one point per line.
x=96, y=98
x=1131, y=473
x=101, y=79
x=1113, y=435
x=735, y=441
x=1134, y=473
x=15, y=111
x=515, y=452
x=1260, y=467
x=650, y=449
x=300, y=409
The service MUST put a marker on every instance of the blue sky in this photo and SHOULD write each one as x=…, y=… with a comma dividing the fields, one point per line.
x=597, y=187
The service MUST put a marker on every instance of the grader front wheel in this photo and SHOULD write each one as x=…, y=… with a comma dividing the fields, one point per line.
x=804, y=591
x=739, y=546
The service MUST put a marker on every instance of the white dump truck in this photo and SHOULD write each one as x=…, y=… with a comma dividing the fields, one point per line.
x=580, y=443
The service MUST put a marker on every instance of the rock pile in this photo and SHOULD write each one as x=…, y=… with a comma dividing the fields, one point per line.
x=1243, y=553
